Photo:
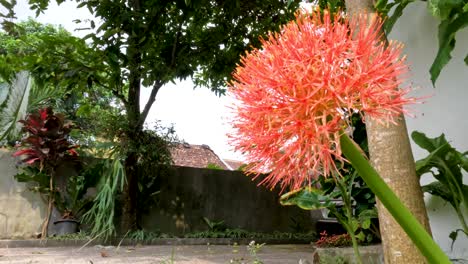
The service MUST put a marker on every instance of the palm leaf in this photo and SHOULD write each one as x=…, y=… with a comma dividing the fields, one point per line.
x=40, y=95
x=14, y=106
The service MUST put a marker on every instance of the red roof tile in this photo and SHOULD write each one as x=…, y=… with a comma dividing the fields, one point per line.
x=197, y=156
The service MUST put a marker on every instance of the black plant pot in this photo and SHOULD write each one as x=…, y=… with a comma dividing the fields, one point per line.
x=66, y=226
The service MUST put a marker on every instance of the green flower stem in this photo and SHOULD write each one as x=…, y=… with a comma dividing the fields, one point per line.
x=399, y=211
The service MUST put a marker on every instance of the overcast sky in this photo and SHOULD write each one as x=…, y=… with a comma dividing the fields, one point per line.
x=198, y=116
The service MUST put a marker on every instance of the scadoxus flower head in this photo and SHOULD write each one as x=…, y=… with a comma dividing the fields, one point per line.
x=294, y=94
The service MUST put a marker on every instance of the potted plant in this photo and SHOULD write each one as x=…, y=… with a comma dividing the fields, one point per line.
x=46, y=146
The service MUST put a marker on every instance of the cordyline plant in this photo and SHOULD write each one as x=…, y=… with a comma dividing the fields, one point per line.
x=46, y=146
x=295, y=95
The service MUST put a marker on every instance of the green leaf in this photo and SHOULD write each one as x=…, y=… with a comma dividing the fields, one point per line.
x=354, y=223
x=442, y=8
x=439, y=189
x=361, y=236
x=427, y=143
x=466, y=60
x=14, y=106
x=447, y=30
x=366, y=223
x=445, y=163
x=39, y=95
x=391, y=20
x=307, y=198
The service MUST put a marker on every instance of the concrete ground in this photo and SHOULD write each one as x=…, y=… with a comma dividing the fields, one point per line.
x=161, y=254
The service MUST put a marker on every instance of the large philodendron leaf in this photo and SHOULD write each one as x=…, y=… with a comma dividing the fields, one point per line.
x=446, y=164
x=15, y=105
x=307, y=198
x=447, y=30
x=441, y=190
x=447, y=160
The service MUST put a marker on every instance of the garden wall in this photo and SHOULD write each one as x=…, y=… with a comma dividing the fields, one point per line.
x=192, y=193
x=21, y=211
x=188, y=195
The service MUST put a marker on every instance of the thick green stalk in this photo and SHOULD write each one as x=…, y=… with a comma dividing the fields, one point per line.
x=402, y=215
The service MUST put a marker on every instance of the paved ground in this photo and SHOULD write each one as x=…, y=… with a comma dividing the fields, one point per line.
x=200, y=254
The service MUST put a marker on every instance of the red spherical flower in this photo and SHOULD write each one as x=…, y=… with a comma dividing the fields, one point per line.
x=294, y=95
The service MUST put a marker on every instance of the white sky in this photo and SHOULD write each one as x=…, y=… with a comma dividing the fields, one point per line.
x=198, y=115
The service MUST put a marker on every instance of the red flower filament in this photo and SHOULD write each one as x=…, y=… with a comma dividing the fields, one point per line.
x=293, y=96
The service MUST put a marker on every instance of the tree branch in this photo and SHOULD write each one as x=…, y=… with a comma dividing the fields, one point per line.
x=150, y=102
x=120, y=96
x=174, y=46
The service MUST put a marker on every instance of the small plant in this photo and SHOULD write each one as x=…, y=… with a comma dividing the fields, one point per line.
x=215, y=225
x=170, y=260
x=253, y=249
x=329, y=259
x=43, y=150
x=143, y=235
x=343, y=240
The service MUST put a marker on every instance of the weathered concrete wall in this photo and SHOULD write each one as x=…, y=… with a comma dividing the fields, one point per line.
x=21, y=211
x=191, y=194
x=187, y=196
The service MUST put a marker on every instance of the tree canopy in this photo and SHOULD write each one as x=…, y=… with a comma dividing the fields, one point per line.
x=139, y=44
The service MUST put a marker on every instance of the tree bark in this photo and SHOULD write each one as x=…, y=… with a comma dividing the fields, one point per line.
x=129, y=219
x=391, y=155
x=129, y=210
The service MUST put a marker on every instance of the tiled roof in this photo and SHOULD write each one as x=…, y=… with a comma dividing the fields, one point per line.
x=196, y=156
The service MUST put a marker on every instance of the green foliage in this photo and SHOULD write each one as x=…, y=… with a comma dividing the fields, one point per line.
x=38, y=180
x=384, y=7
x=101, y=214
x=329, y=259
x=75, y=201
x=453, y=19
x=143, y=235
x=14, y=106
x=453, y=16
x=213, y=166
x=244, y=234
x=215, y=226
x=253, y=249
x=146, y=44
x=445, y=163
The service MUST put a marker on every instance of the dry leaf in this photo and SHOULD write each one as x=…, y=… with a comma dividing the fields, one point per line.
x=104, y=254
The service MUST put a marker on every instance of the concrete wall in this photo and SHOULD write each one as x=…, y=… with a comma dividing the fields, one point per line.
x=191, y=194
x=21, y=211
x=187, y=196
x=444, y=112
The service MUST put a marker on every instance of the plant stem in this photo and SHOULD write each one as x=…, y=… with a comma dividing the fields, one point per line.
x=462, y=219
x=399, y=211
x=349, y=217
x=45, y=225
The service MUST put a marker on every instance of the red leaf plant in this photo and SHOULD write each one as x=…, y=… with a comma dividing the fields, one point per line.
x=343, y=240
x=46, y=144
x=295, y=95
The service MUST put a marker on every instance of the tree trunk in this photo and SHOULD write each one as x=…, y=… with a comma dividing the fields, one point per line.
x=391, y=155
x=129, y=219
x=129, y=210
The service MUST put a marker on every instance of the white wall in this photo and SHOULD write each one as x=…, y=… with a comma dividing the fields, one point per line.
x=444, y=112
